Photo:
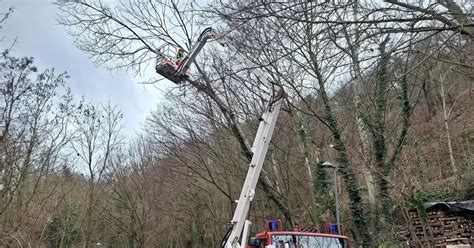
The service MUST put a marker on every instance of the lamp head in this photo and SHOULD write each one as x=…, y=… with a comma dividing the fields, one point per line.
x=327, y=165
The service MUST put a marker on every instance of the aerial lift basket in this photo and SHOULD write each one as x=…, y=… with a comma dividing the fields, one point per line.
x=166, y=66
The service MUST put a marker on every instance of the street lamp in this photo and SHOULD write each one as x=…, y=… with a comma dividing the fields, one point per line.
x=334, y=168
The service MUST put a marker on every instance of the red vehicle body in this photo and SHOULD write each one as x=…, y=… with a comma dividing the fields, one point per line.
x=302, y=239
x=298, y=239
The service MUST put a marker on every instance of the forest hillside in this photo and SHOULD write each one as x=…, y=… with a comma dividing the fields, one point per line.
x=383, y=90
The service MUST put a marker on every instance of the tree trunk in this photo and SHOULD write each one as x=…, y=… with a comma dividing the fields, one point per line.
x=303, y=135
x=365, y=141
x=378, y=131
x=352, y=36
x=446, y=123
x=347, y=171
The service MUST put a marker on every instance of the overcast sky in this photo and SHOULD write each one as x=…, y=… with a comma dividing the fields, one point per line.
x=33, y=25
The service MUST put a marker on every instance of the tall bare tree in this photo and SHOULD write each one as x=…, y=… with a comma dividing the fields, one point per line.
x=95, y=140
x=124, y=38
x=35, y=110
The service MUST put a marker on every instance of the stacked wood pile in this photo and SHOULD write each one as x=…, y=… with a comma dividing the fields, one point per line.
x=439, y=229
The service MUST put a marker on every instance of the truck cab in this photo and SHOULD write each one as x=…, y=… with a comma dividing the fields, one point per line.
x=276, y=238
x=298, y=240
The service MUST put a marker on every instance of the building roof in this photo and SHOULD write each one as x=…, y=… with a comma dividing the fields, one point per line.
x=461, y=207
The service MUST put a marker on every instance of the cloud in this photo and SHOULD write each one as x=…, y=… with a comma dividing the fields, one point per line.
x=38, y=35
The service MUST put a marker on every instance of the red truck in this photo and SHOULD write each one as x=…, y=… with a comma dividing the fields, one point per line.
x=274, y=237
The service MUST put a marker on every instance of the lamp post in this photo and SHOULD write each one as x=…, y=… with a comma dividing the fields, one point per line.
x=334, y=169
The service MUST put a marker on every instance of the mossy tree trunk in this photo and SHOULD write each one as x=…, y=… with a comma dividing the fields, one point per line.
x=345, y=167
x=378, y=129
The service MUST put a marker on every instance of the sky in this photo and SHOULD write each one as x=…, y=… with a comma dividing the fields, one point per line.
x=33, y=26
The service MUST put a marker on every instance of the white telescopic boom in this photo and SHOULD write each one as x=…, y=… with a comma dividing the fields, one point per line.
x=261, y=143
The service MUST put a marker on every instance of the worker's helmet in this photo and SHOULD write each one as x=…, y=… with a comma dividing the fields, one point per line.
x=181, y=49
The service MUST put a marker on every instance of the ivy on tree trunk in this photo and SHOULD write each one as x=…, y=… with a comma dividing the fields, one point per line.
x=347, y=171
x=378, y=129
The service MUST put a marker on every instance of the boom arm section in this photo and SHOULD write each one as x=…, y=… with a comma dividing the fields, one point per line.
x=259, y=148
x=207, y=34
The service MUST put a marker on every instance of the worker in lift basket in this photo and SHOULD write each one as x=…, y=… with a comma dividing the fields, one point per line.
x=179, y=56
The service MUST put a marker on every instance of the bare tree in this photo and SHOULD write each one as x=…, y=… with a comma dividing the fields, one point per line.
x=96, y=138
x=3, y=17
x=447, y=12
x=130, y=206
x=117, y=39
x=35, y=110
